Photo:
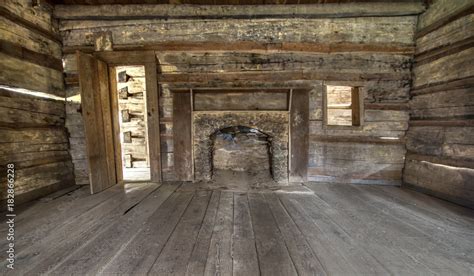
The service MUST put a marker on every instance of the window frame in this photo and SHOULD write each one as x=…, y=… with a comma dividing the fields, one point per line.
x=357, y=107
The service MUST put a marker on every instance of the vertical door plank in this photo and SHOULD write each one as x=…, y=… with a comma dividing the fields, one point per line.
x=98, y=143
x=153, y=121
x=114, y=109
x=182, y=136
x=104, y=94
x=299, y=128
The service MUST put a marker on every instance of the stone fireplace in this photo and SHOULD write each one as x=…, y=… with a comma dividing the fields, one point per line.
x=266, y=132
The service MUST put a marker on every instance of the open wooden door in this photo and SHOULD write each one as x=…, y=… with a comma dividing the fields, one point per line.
x=96, y=112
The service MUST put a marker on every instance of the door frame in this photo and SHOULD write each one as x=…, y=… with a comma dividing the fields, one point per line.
x=148, y=60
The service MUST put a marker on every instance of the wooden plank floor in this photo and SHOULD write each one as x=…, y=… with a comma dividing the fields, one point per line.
x=181, y=229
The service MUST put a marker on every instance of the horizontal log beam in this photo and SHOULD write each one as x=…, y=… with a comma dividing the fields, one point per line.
x=442, y=51
x=277, y=76
x=445, y=123
x=469, y=9
x=443, y=86
x=398, y=30
x=228, y=62
x=121, y=12
x=281, y=84
x=20, y=52
x=31, y=26
x=234, y=90
x=355, y=139
x=440, y=160
x=256, y=47
x=386, y=106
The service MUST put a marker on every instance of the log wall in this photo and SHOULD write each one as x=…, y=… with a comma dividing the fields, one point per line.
x=372, y=46
x=32, y=124
x=440, y=140
x=370, y=154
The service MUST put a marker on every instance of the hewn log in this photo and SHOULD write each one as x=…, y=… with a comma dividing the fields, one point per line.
x=457, y=104
x=371, y=153
x=219, y=78
x=443, y=51
x=240, y=100
x=19, y=20
x=349, y=162
x=31, y=159
x=37, y=15
x=445, y=122
x=49, y=135
x=18, y=101
x=257, y=47
x=22, y=118
x=356, y=139
x=448, y=182
x=458, y=30
x=441, y=13
x=228, y=62
x=20, y=52
x=368, y=30
x=20, y=73
x=452, y=67
x=117, y=12
x=378, y=129
x=449, y=142
x=440, y=160
x=7, y=149
x=465, y=83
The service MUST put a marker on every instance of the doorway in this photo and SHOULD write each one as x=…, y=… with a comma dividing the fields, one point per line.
x=131, y=111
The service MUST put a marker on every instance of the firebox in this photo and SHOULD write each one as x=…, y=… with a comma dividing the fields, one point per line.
x=252, y=141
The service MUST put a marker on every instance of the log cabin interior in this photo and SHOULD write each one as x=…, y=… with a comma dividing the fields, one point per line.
x=238, y=137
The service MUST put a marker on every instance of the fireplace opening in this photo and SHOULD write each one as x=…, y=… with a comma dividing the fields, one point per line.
x=241, y=152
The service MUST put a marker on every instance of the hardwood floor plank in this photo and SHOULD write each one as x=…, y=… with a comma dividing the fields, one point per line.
x=113, y=238
x=436, y=216
x=68, y=237
x=442, y=242
x=325, y=229
x=324, y=247
x=410, y=244
x=447, y=212
x=273, y=255
x=197, y=261
x=175, y=255
x=306, y=262
x=142, y=250
x=219, y=260
x=374, y=230
x=244, y=251
x=38, y=217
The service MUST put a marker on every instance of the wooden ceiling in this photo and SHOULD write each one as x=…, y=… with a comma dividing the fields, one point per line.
x=215, y=2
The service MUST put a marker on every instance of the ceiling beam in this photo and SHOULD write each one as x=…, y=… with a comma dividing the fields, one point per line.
x=130, y=12
x=258, y=47
x=241, y=77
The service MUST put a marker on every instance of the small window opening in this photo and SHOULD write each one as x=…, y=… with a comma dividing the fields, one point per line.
x=342, y=106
